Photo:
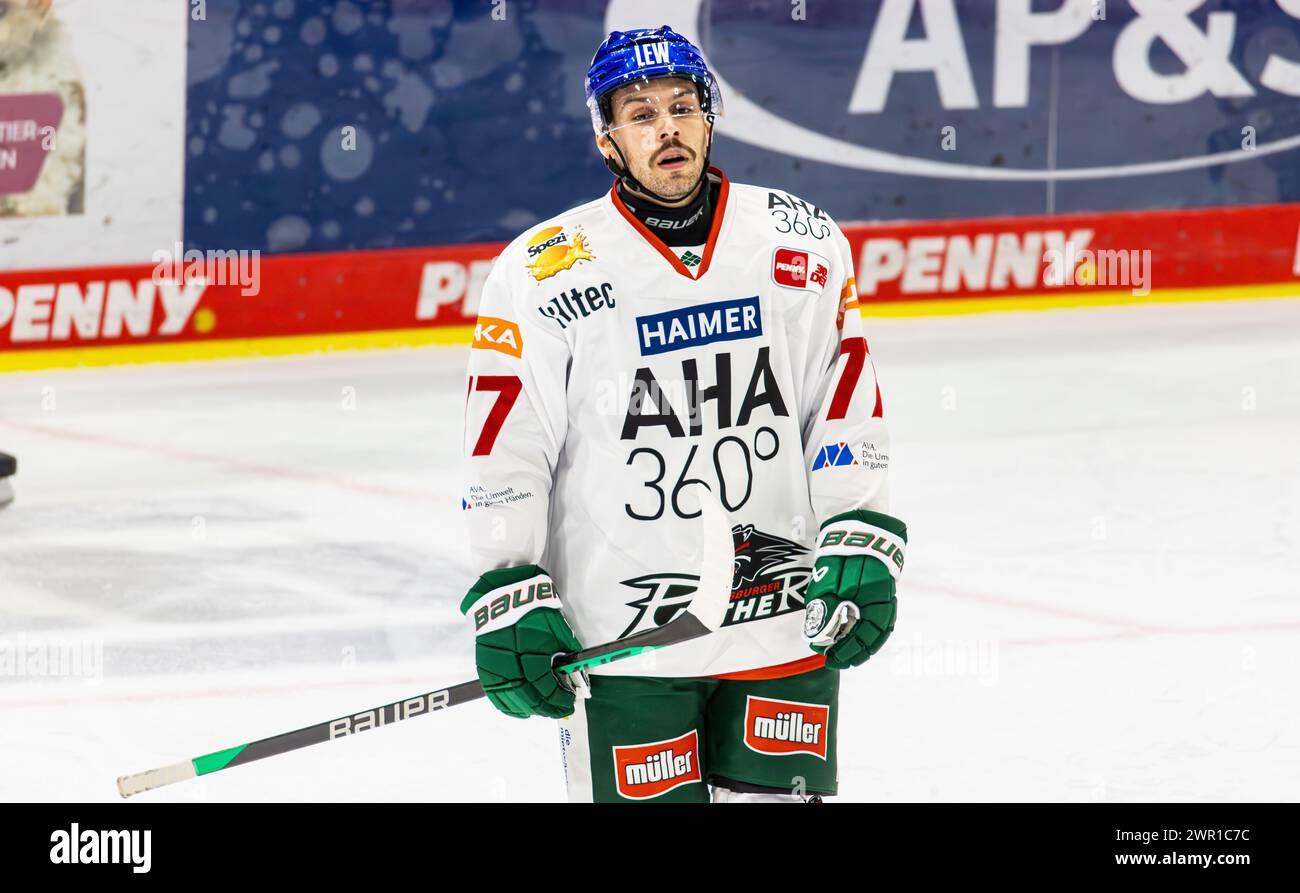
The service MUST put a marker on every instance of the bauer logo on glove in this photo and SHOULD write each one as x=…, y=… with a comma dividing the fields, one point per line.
x=519, y=629
x=851, y=603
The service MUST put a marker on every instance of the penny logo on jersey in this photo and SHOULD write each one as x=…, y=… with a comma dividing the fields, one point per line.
x=551, y=252
x=781, y=728
x=804, y=270
x=645, y=771
x=768, y=579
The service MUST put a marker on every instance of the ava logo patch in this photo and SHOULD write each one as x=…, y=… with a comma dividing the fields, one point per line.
x=501, y=335
x=794, y=268
x=550, y=251
x=833, y=455
x=780, y=728
x=645, y=771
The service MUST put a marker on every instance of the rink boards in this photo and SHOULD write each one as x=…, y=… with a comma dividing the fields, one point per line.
x=202, y=306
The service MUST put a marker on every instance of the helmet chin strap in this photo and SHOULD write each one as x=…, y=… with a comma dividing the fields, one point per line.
x=623, y=170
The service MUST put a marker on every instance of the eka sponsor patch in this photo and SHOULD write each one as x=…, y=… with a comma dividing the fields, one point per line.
x=779, y=728
x=701, y=324
x=644, y=771
x=501, y=335
x=794, y=268
x=550, y=251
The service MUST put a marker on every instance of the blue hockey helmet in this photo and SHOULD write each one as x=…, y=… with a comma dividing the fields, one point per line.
x=641, y=55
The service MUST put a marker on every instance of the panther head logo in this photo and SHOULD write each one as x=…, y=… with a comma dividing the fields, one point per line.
x=759, y=554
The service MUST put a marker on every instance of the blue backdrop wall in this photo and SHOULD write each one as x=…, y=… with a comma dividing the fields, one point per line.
x=470, y=126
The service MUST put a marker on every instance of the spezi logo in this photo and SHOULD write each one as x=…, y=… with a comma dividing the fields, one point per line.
x=551, y=252
x=701, y=324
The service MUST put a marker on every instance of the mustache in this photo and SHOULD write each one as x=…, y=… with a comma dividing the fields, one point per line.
x=691, y=153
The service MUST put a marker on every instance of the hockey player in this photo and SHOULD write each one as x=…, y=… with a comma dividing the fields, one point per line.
x=678, y=331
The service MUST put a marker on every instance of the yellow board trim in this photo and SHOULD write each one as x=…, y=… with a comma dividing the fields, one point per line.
x=179, y=352
x=1066, y=300
x=217, y=349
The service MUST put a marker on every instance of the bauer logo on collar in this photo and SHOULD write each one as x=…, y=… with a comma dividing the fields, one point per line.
x=792, y=268
x=645, y=771
x=552, y=250
x=781, y=728
x=501, y=335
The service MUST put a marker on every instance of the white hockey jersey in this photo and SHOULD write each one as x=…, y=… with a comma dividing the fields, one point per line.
x=611, y=374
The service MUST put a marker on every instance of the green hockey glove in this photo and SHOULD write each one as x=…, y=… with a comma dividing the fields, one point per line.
x=518, y=629
x=851, y=605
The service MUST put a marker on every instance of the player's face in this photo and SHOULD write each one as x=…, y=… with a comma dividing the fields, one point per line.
x=662, y=132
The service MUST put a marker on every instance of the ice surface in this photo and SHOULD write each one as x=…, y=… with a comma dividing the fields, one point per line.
x=1102, y=600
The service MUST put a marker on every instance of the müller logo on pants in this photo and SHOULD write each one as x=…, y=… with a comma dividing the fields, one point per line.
x=643, y=771
x=777, y=728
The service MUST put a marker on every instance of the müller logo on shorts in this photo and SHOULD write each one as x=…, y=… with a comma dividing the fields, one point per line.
x=645, y=771
x=792, y=268
x=779, y=728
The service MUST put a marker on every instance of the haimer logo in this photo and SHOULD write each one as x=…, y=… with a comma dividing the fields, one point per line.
x=701, y=324
x=78, y=847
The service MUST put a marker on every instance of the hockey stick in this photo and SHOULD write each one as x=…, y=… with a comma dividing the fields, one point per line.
x=705, y=615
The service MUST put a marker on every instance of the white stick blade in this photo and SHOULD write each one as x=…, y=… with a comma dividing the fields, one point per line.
x=130, y=785
x=713, y=596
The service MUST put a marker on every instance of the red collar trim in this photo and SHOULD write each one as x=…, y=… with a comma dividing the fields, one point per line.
x=663, y=249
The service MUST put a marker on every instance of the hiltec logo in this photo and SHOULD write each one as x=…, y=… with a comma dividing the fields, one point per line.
x=799, y=269
x=644, y=771
x=779, y=728
x=833, y=455
x=651, y=53
x=568, y=306
x=701, y=324
x=77, y=847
